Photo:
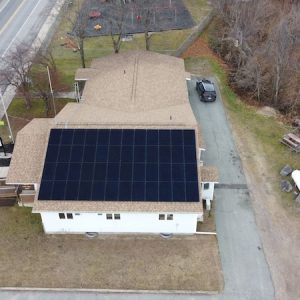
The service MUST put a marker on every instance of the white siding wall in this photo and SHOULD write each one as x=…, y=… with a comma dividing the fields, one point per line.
x=209, y=193
x=129, y=223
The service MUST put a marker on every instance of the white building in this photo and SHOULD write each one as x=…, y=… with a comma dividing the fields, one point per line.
x=124, y=159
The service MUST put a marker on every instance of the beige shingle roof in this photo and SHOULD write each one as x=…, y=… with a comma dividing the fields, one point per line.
x=111, y=206
x=28, y=156
x=209, y=174
x=136, y=81
x=151, y=93
x=177, y=115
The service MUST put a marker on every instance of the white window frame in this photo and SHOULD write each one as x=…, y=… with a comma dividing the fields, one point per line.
x=109, y=216
x=117, y=216
x=161, y=217
x=170, y=217
x=62, y=216
x=206, y=186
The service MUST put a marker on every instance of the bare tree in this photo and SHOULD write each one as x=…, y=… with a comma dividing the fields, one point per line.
x=40, y=87
x=147, y=12
x=260, y=39
x=16, y=68
x=280, y=46
x=78, y=18
x=45, y=58
x=116, y=21
x=147, y=16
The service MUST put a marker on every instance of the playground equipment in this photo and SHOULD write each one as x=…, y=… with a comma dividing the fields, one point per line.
x=97, y=27
x=94, y=13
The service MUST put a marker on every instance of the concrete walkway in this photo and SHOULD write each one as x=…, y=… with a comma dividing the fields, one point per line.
x=246, y=272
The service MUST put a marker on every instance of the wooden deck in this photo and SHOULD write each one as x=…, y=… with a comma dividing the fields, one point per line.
x=8, y=195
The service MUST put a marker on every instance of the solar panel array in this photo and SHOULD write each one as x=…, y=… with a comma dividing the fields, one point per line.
x=120, y=165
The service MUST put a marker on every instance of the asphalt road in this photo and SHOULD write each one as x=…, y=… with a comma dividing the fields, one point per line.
x=246, y=273
x=20, y=21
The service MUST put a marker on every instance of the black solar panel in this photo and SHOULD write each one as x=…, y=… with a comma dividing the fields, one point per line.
x=120, y=165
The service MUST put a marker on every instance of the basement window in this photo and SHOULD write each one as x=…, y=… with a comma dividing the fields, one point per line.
x=206, y=186
x=61, y=215
x=69, y=216
x=169, y=216
x=161, y=217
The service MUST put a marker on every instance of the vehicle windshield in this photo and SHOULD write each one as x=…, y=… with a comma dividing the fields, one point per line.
x=209, y=87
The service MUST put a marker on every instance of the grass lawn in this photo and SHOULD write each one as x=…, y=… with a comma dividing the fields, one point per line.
x=19, y=116
x=29, y=258
x=164, y=42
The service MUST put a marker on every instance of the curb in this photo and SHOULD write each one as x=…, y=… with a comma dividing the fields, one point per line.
x=109, y=291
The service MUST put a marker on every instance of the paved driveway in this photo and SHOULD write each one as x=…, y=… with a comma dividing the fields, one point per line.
x=246, y=272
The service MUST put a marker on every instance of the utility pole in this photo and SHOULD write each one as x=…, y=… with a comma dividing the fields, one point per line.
x=8, y=123
x=50, y=84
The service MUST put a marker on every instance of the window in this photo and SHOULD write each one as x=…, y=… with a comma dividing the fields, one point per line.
x=61, y=215
x=170, y=217
x=206, y=186
x=113, y=216
x=161, y=217
x=69, y=216
x=77, y=214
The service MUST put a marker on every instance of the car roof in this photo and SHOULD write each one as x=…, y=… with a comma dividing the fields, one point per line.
x=208, y=86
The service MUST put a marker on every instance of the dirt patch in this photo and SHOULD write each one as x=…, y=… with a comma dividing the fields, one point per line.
x=200, y=48
x=31, y=259
x=209, y=224
x=268, y=111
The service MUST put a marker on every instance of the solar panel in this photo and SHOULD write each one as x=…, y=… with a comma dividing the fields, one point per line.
x=120, y=165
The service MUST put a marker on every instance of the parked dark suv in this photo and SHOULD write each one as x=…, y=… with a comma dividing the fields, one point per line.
x=206, y=90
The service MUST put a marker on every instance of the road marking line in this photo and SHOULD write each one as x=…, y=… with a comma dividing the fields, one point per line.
x=13, y=40
x=3, y=5
x=12, y=16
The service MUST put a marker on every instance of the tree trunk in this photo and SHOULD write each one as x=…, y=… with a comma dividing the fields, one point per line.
x=147, y=40
x=147, y=25
x=277, y=84
x=81, y=50
x=27, y=96
x=117, y=43
x=46, y=102
x=257, y=82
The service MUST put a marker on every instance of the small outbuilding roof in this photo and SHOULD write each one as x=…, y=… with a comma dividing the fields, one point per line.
x=209, y=174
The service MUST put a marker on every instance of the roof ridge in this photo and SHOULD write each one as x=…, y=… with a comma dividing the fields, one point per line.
x=134, y=80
